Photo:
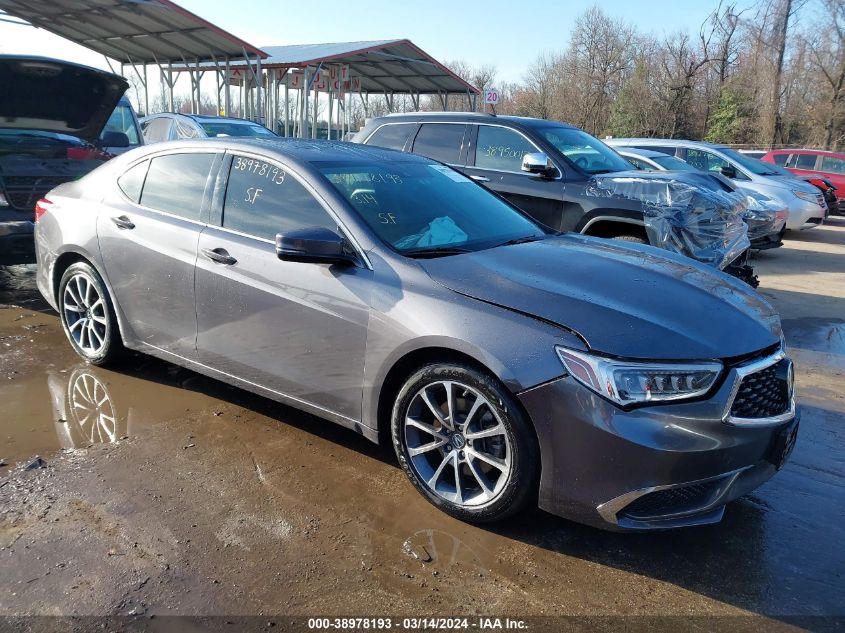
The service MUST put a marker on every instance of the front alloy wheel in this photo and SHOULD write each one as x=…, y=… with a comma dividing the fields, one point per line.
x=464, y=444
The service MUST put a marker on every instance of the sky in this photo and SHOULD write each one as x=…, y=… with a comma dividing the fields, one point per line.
x=505, y=33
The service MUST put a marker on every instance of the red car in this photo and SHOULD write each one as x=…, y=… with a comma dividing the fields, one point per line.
x=810, y=162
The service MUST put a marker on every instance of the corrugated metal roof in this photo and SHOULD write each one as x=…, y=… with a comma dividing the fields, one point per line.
x=397, y=66
x=132, y=31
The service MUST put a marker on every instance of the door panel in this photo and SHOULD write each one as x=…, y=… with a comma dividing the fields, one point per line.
x=496, y=161
x=299, y=329
x=296, y=328
x=151, y=271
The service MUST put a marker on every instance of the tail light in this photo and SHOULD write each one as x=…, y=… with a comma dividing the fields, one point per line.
x=88, y=153
x=41, y=207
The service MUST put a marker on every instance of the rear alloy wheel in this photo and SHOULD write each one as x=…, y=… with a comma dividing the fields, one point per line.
x=464, y=443
x=88, y=316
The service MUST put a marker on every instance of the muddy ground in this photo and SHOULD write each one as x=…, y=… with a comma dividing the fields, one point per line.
x=165, y=492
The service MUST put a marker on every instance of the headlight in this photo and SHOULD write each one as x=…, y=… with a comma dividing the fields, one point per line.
x=632, y=382
x=806, y=195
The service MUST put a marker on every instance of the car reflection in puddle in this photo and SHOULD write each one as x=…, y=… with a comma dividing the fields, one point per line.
x=84, y=411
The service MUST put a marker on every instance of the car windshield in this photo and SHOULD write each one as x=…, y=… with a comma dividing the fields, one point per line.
x=427, y=209
x=587, y=152
x=121, y=120
x=231, y=128
x=751, y=164
x=673, y=162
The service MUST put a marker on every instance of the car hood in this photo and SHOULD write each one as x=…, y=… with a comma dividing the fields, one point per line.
x=628, y=301
x=57, y=96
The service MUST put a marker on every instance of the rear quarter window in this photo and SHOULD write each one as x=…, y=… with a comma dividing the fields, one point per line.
x=131, y=182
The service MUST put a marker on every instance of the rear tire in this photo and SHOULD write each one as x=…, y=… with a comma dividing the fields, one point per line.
x=464, y=443
x=88, y=316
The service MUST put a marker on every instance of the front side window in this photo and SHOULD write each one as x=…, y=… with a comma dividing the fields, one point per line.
x=501, y=148
x=440, y=141
x=175, y=184
x=804, y=161
x=263, y=199
x=416, y=207
x=705, y=161
x=833, y=165
x=392, y=135
x=587, y=152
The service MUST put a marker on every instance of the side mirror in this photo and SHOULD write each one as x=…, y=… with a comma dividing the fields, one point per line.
x=313, y=244
x=729, y=171
x=538, y=163
x=114, y=139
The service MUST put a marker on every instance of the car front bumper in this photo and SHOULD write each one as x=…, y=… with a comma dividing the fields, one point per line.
x=654, y=467
x=17, y=243
x=804, y=215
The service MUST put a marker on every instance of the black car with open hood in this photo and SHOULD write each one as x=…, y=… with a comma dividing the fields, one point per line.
x=51, y=116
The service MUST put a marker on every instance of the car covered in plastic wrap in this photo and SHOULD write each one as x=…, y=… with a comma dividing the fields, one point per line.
x=688, y=213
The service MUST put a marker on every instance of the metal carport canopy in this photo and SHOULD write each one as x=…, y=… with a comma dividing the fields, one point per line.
x=396, y=66
x=133, y=31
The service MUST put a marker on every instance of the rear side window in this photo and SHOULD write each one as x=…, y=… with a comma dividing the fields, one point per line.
x=440, y=141
x=176, y=183
x=501, y=148
x=262, y=200
x=185, y=130
x=392, y=136
x=780, y=159
x=132, y=181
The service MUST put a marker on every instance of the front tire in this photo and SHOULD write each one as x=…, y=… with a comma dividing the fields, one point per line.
x=464, y=443
x=88, y=316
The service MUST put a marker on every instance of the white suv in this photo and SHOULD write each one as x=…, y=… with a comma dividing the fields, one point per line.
x=805, y=202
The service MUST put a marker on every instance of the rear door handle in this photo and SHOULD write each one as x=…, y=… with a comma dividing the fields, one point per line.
x=219, y=255
x=480, y=178
x=123, y=222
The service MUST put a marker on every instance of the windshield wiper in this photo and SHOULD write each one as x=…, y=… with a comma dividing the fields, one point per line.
x=420, y=253
x=523, y=240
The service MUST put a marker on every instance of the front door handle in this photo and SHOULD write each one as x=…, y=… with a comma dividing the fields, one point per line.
x=219, y=255
x=480, y=178
x=123, y=222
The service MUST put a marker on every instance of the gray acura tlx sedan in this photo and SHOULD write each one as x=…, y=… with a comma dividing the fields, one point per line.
x=615, y=384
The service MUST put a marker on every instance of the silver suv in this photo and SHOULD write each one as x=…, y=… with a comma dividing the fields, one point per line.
x=805, y=203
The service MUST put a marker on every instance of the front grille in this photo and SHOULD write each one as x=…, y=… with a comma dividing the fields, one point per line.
x=672, y=501
x=814, y=221
x=763, y=394
x=24, y=191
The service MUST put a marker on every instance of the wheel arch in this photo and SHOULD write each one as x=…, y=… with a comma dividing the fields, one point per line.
x=411, y=361
x=613, y=226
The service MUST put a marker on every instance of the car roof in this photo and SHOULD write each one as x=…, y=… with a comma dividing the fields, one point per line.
x=645, y=153
x=199, y=117
x=671, y=142
x=295, y=149
x=804, y=150
x=467, y=117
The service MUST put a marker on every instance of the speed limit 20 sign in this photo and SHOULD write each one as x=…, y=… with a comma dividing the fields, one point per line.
x=491, y=96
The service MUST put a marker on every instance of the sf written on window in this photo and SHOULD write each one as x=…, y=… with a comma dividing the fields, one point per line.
x=262, y=200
